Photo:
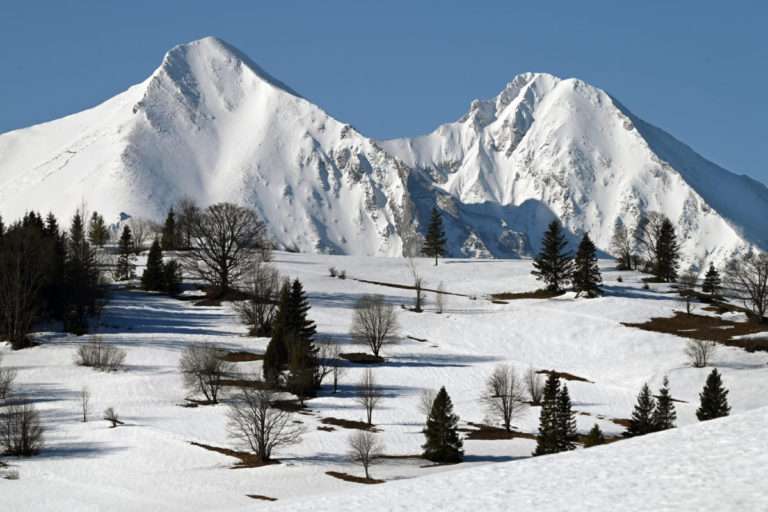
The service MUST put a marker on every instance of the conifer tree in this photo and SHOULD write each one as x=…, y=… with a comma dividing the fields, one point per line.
x=2, y=227
x=667, y=252
x=712, y=282
x=125, y=265
x=443, y=443
x=55, y=289
x=553, y=265
x=170, y=239
x=566, y=422
x=714, y=399
x=152, y=278
x=595, y=437
x=642, y=417
x=172, y=277
x=81, y=278
x=586, y=273
x=276, y=355
x=98, y=234
x=434, y=242
x=547, y=440
x=664, y=415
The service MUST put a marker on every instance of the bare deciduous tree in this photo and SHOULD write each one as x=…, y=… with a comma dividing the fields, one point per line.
x=535, y=386
x=418, y=285
x=700, y=352
x=365, y=449
x=747, y=280
x=85, y=402
x=7, y=376
x=369, y=394
x=258, y=312
x=255, y=422
x=687, y=289
x=21, y=432
x=142, y=231
x=112, y=417
x=375, y=322
x=503, y=396
x=100, y=355
x=647, y=234
x=225, y=238
x=426, y=399
x=329, y=362
x=187, y=210
x=204, y=370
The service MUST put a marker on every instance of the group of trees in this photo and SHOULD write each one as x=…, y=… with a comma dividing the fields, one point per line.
x=46, y=273
x=557, y=424
x=557, y=268
x=159, y=275
x=652, y=245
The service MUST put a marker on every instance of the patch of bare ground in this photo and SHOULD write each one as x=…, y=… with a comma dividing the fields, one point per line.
x=564, y=376
x=241, y=357
x=352, y=478
x=482, y=432
x=326, y=428
x=261, y=497
x=291, y=406
x=409, y=287
x=500, y=298
x=622, y=422
x=713, y=328
x=414, y=338
x=362, y=358
x=245, y=383
x=247, y=459
x=350, y=424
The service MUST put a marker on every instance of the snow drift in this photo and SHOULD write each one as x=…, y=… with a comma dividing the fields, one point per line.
x=212, y=125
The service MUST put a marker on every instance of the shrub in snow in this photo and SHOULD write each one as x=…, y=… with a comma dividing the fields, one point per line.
x=204, y=370
x=21, y=433
x=100, y=355
x=342, y=274
x=700, y=352
x=332, y=271
x=7, y=376
x=112, y=417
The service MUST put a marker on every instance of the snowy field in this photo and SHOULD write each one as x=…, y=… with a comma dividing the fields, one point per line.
x=150, y=464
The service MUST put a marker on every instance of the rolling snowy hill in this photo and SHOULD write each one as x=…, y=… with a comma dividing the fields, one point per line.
x=210, y=124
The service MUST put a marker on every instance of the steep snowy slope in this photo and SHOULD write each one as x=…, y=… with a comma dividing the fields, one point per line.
x=211, y=125
x=715, y=466
x=549, y=147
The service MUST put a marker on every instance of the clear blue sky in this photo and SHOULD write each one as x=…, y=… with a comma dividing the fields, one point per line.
x=698, y=69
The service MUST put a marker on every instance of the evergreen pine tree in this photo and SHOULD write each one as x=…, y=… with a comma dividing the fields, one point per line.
x=642, y=417
x=553, y=265
x=595, y=437
x=55, y=289
x=566, y=422
x=547, y=440
x=125, y=266
x=664, y=415
x=667, y=252
x=170, y=240
x=712, y=282
x=276, y=355
x=586, y=273
x=434, y=242
x=81, y=278
x=443, y=443
x=172, y=277
x=98, y=234
x=152, y=278
x=714, y=399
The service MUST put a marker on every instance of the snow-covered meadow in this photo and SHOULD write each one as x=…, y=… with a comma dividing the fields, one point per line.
x=149, y=462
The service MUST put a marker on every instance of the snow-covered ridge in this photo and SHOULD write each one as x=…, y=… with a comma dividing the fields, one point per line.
x=211, y=124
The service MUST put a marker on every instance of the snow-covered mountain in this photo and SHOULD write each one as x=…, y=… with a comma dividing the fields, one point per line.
x=210, y=124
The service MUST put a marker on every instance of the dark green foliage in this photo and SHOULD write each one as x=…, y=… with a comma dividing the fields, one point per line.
x=172, y=278
x=595, y=437
x=98, y=234
x=554, y=264
x=125, y=266
x=664, y=416
x=276, y=355
x=667, y=252
x=712, y=282
x=714, y=399
x=81, y=278
x=547, y=441
x=566, y=422
x=443, y=443
x=642, y=417
x=586, y=273
x=171, y=240
x=302, y=377
x=434, y=241
x=152, y=278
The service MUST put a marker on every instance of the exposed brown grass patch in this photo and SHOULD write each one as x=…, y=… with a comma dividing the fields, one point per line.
x=707, y=328
x=326, y=428
x=245, y=383
x=261, y=497
x=362, y=358
x=482, y=432
x=247, y=459
x=564, y=376
x=350, y=424
x=241, y=357
x=536, y=294
x=352, y=478
x=622, y=422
